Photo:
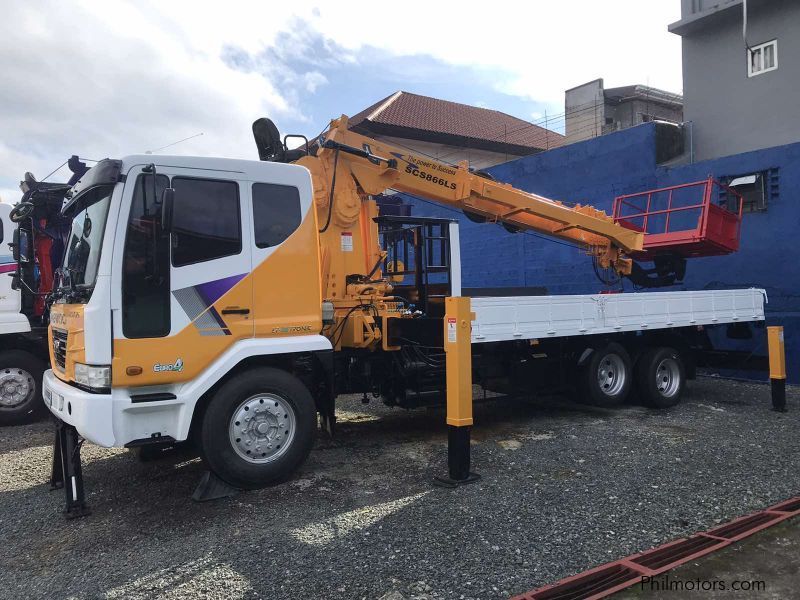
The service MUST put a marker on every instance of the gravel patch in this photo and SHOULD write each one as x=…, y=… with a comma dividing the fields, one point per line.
x=565, y=487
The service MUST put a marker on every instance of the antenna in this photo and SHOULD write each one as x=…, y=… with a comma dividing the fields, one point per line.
x=174, y=143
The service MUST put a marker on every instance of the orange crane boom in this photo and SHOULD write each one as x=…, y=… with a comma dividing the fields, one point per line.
x=380, y=166
x=348, y=169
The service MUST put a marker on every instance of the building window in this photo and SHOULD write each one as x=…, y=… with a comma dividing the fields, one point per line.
x=762, y=58
x=756, y=190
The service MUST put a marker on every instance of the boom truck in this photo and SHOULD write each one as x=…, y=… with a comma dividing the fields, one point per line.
x=229, y=302
x=33, y=231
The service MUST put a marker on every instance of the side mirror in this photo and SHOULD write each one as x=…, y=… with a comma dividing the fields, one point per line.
x=167, y=206
x=1, y=232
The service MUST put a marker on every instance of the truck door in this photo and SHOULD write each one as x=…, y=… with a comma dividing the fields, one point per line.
x=186, y=295
x=10, y=319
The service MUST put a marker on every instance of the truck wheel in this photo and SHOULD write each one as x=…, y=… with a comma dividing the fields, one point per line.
x=258, y=428
x=605, y=378
x=660, y=377
x=20, y=387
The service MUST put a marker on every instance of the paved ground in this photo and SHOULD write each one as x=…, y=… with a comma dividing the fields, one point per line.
x=564, y=487
x=765, y=566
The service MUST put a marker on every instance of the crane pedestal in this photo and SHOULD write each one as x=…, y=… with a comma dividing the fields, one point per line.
x=458, y=360
x=777, y=367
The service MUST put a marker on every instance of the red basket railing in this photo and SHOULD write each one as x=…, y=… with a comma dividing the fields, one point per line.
x=683, y=219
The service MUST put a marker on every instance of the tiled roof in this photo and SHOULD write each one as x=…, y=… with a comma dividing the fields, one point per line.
x=429, y=119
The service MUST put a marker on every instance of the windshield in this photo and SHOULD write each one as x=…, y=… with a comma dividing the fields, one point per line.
x=86, y=238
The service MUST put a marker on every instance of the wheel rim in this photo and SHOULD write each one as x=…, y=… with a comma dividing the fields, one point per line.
x=611, y=374
x=668, y=377
x=17, y=386
x=262, y=428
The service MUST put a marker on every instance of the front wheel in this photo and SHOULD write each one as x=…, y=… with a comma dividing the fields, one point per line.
x=20, y=387
x=258, y=428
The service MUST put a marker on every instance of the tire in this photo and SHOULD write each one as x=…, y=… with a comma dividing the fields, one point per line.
x=270, y=409
x=605, y=378
x=21, y=387
x=660, y=377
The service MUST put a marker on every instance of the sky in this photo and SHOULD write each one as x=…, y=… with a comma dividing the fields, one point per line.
x=105, y=78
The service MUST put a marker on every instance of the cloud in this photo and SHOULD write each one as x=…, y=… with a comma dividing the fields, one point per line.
x=542, y=48
x=108, y=78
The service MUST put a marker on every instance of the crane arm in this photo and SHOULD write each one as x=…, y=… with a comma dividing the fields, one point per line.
x=377, y=166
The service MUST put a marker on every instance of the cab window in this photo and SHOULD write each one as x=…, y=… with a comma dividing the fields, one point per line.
x=206, y=222
x=145, y=267
x=276, y=213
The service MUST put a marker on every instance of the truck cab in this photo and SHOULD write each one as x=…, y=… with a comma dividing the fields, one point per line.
x=190, y=304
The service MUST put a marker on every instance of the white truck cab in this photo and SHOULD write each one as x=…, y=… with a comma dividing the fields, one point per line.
x=23, y=352
x=11, y=318
x=182, y=276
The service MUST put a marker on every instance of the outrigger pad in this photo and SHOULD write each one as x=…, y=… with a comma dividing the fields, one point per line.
x=212, y=487
x=67, y=472
x=449, y=482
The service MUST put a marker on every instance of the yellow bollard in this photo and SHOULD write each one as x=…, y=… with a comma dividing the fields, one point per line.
x=458, y=365
x=777, y=367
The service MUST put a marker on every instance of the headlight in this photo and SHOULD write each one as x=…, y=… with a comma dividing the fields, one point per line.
x=93, y=376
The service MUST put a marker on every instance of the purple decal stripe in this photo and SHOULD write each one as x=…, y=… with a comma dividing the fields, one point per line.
x=211, y=291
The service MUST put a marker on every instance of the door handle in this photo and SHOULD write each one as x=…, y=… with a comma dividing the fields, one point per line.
x=235, y=311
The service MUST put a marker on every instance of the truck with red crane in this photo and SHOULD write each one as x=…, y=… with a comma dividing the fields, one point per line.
x=32, y=235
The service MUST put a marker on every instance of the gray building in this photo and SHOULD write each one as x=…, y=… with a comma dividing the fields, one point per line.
x=591, y=110
x=741, y=74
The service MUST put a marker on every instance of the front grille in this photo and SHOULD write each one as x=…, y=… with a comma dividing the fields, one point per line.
x=60, y=348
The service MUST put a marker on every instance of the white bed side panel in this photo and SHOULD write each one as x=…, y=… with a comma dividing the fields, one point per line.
x=536, y=317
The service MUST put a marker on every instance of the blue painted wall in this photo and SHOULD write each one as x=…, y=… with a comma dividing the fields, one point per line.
x=596, y=171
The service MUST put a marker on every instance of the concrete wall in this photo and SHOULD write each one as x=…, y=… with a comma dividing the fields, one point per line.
x=693, y=7
x=631, y=113
x=597, y=170
x=587, y=111
x=584, y=108
x=731, y=112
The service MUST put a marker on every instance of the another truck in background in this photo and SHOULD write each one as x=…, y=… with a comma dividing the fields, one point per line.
x=31, y=252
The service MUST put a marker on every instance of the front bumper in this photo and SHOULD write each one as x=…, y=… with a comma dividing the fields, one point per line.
x=118, y=418
x=90, y=414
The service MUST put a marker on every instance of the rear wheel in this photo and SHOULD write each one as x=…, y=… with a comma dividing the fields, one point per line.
x=660, y=377
x=20, y=387
x=605, y=378
x=258, y=428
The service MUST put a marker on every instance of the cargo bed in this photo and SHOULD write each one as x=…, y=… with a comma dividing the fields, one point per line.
x=538, y=317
